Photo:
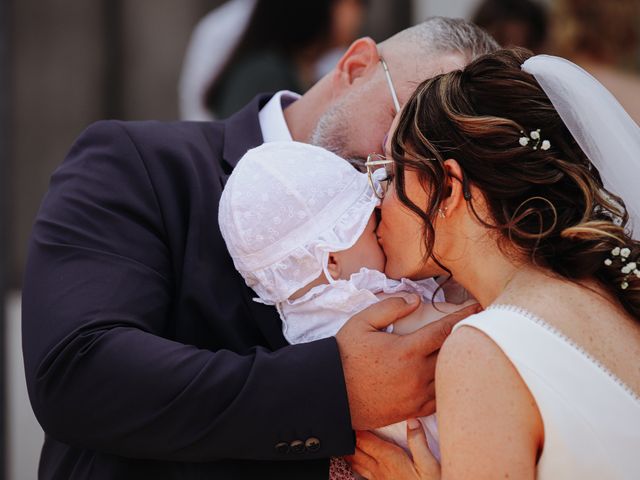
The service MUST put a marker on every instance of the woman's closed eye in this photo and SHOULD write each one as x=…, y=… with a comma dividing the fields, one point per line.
x=389, y=172
x=388, y=175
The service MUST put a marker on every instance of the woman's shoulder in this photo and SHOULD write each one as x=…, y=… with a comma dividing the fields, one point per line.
x=468, y=343
x=471, y=356
x=482, y=400
x=480, y=348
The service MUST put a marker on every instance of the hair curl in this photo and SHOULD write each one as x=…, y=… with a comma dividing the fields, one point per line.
x=549, y=206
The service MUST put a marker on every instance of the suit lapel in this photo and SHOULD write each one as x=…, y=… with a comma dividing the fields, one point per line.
x=242, y=130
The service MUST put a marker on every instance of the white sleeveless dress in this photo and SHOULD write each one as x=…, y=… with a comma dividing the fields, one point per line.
x=591, y=418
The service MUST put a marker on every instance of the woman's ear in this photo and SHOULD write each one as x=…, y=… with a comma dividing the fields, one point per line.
x=334, y=266
x=455, y=188
x=359, y=60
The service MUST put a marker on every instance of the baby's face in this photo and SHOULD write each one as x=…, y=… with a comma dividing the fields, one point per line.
x=366, y=252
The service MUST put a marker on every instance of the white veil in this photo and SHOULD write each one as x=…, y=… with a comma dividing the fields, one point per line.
x=602, y=128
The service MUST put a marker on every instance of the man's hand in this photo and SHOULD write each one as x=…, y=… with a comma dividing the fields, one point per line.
x=390, y=377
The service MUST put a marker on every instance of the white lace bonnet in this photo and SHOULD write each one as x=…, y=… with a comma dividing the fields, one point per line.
x=285, y=207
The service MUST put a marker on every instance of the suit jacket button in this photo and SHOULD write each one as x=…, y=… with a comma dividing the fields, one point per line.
x=282, y=447
x=312, y=444
x=297, y=446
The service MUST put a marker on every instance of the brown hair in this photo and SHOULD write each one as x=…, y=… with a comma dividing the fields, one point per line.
x=548, y=205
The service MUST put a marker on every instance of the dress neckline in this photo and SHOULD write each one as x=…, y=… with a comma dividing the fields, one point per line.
x=553, y=330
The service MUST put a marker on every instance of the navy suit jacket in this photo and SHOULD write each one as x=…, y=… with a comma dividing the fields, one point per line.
x=145, y=356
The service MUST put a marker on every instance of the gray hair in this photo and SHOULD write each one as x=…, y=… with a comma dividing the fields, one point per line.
x=441, y=35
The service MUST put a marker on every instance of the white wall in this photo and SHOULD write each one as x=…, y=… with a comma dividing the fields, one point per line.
x=24, y=435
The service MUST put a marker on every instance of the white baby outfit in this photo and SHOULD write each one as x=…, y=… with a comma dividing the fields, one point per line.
x=284, y=209
x=322, y=311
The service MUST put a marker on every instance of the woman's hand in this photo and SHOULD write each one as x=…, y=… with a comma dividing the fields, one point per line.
x=377, y=459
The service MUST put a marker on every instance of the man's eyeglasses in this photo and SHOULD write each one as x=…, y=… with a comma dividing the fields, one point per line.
x=379, y=163
x=392, y=89
x=380, y=173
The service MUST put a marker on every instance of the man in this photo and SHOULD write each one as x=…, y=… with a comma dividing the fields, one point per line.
x=145, y=355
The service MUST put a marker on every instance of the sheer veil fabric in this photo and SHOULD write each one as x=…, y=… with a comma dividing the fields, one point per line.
x=602, y=128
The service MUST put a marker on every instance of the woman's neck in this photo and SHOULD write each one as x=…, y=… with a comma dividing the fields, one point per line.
x=485, y=274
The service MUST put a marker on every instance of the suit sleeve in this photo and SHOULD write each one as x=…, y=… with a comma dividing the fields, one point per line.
x=101, y=369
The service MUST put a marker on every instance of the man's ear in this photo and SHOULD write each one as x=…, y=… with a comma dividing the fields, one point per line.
x=334, y=267
x=360, y=60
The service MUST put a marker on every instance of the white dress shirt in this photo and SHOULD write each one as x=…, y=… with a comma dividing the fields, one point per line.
x=272, y=122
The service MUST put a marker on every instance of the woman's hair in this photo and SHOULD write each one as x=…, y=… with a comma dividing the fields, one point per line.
x=546, y=205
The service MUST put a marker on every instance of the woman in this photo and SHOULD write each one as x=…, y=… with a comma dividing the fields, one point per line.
x=280, y=49
x=497, y=180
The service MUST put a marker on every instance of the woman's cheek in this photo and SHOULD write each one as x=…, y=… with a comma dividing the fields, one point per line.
x=382, y=258
x=394, y=258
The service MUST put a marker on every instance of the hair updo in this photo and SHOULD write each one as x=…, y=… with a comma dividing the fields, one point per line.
x=548, y=205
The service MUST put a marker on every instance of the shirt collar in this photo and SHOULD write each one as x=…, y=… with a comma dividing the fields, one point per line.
x=272, y=122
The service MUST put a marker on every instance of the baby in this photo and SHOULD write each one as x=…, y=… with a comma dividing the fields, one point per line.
x=300, y=225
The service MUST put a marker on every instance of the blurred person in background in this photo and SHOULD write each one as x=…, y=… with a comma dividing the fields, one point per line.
x=246, y=47
x=521, y=23
x=603, y=37
x=212, y=42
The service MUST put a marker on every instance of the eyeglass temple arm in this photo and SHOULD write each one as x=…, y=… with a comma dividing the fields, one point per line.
x=378, y=162
x=396, y=102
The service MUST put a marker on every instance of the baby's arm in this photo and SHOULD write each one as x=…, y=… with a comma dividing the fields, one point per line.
x=427, y=313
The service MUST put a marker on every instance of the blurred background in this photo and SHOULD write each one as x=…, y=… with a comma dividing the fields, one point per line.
x=66, y=64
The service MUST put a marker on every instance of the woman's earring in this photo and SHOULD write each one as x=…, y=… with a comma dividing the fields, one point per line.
x=442, y=213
